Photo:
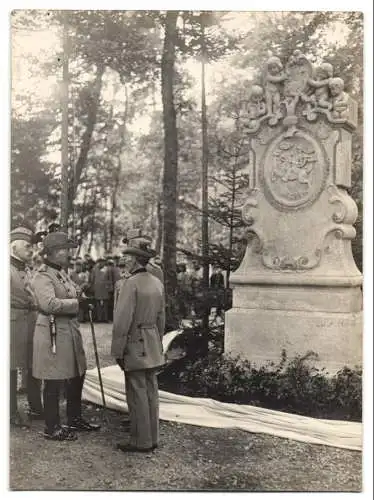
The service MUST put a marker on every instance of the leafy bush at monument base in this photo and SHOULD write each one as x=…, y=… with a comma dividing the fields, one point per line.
x=293, y=386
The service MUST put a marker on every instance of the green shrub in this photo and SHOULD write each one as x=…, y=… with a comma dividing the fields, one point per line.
x=291, y=385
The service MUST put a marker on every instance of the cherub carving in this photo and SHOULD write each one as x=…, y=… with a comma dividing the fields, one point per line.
x=274, y=76
x=322, y=77
x=340, y=99
x=256, y=106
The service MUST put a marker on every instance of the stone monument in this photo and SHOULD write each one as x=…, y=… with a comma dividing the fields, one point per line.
x=298, y=287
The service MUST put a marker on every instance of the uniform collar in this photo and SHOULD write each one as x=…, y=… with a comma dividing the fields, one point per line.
x=139, y=270
x=19, y=264
x=53, y=265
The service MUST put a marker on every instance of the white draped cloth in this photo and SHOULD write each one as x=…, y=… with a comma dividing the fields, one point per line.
x=211, y=413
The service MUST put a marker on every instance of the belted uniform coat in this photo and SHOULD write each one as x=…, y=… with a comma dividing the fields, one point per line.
x=22, y=317
x=56, y=294
x=139, y=322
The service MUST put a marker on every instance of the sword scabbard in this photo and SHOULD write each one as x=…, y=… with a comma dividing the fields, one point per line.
x=53, y=333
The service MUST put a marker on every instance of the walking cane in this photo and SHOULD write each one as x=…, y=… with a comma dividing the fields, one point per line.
x=90, y=309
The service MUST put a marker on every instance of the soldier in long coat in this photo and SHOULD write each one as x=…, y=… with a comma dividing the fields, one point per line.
x=138, y=327
x=22, y=323
x=58, y=304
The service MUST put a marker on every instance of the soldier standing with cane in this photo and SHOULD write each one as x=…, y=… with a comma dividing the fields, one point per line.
x=58, y=347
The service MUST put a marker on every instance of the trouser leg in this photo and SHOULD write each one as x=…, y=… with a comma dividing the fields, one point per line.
x=13, y=392
x=34, y=397
x=74, y=398
x=24, y=373
x=110, y=306
x=81, y=312
x=51, y=396
x=153, y=402
x=100, y=311
x=137, y=400
x=105, y=310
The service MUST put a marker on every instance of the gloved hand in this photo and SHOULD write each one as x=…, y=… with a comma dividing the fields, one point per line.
x=120, y=363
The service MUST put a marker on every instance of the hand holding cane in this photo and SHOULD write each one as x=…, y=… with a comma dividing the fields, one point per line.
x=90, y=310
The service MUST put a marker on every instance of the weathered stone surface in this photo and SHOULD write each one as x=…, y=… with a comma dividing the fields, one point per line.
x=298, y=298
x=260, y=335
x=299, y=215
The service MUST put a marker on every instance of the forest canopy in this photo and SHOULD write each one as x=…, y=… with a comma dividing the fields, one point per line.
x=135, y=92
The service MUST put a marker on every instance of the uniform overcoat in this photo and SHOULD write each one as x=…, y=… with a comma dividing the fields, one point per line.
x=22, y=316
x=56, y=294
x=117, y=289
x=139, y=322
x=156, y=271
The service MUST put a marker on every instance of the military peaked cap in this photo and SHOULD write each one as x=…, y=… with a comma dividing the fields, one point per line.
x=57, y=240
x=22, y=233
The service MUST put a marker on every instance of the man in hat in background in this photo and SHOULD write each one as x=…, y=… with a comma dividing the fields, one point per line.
x=138, y=327
x=22, y=323
x=60, y=356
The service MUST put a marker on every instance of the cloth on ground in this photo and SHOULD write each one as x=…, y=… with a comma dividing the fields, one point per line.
x=211, y=413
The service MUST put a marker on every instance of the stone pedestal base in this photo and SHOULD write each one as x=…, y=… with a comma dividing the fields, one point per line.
x=269, y=323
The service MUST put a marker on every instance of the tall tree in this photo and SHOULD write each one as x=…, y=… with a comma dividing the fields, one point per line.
x=205, y=153
x=65, y=128
x=170, y=153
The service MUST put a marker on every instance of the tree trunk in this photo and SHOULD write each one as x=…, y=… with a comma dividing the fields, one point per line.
x=113, y=207
x=92, y=228
x=204, y=186
x=159, y=228
x=118, y=169
x=81, y=223
x=233, y=197
x=86, y=139
x=170, y=157
x=64, y=215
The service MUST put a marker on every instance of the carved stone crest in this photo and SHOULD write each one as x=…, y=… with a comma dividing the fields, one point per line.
x=298, y=71
x=294, y=170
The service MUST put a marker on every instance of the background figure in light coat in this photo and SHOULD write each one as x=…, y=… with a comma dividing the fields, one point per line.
x=138, y=327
